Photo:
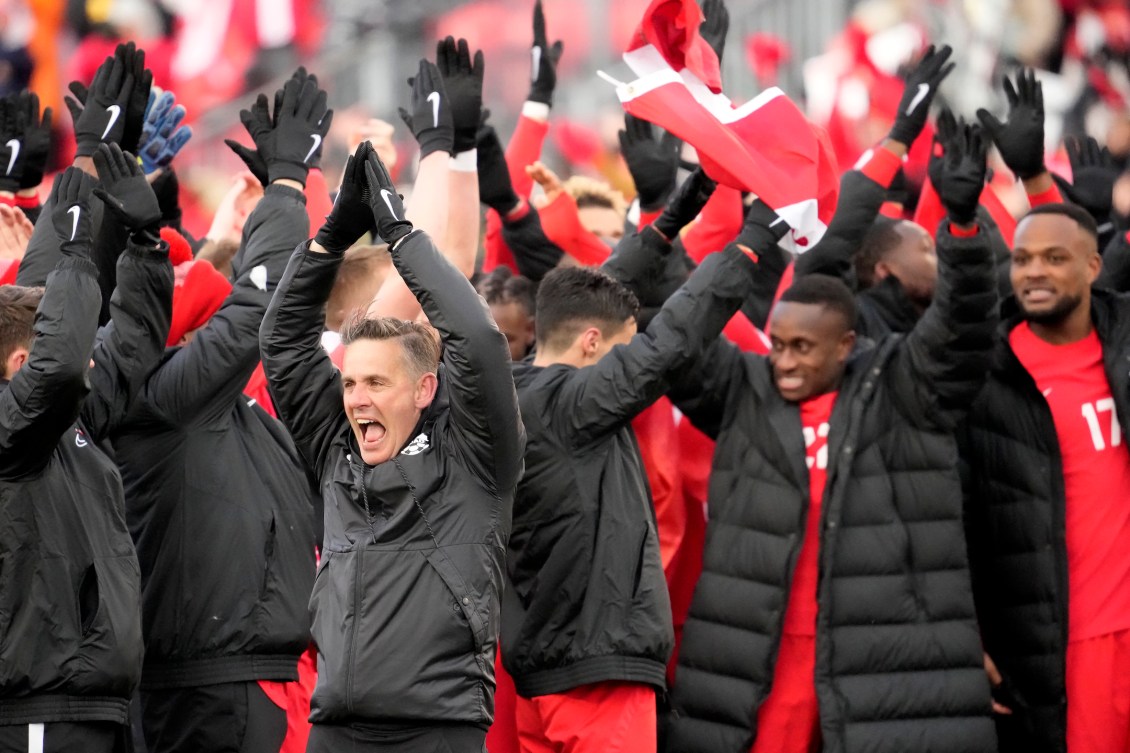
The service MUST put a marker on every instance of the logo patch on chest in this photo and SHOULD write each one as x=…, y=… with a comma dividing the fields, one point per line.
x=417, y=445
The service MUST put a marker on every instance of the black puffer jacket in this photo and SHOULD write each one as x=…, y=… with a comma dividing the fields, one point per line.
x=218, y=502
x=70, y=618
x=1015, y=514
x=584, y=554
x=898, y=656
x=406, y=602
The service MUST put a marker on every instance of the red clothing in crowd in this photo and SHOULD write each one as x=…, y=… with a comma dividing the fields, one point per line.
x=523, y=149
x=1096, y=477
x=1098, y=694
x=789, y=719
x=608, y=717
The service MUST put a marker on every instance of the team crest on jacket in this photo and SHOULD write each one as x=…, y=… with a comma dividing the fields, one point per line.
x=417, y=445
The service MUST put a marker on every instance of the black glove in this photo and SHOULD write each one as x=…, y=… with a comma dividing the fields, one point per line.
x=124, y=189
x=944, y=131
x=26, y=139
x=166, y=187
x=1093, y=175
x=495, y=188
x=543, y=61
x=464, y=84
x=430, y=120
x=921, y=85
x=36, y=139
x=652, y=162
x=301, y=123
x=10, y=137
x=386, y=204
x=259, y=125
x=70, y=213
x=963, y=174
x=134, y=59
x=1020, y=139
x=352, y=215
x=685, y=205
x=763, y=228
x=105, y=106
x=715, y=24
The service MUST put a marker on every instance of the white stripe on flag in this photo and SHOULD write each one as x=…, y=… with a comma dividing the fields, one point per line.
x=35, y=738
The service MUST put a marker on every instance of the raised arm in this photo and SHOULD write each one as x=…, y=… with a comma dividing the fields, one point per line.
x=212, y=370
x=133, y=339
x=462, y=75
x=304, y=384
x=432, y=123
x=602, y=397
x=864, y=188
x=45, y=395
x=862, y=192
x=484, y=406
x=941, y=365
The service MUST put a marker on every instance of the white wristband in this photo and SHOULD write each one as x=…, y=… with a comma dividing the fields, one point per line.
x=535, y=111
x=465, y=162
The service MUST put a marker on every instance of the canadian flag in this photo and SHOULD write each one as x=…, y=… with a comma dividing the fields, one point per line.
x=766, y=146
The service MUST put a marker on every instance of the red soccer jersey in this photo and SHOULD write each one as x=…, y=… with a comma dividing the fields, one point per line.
x=800, y=616
x=1096, y=476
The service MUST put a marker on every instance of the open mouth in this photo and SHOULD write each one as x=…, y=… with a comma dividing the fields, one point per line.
x=790, y=383
x=372, y=432
x=1039, y=295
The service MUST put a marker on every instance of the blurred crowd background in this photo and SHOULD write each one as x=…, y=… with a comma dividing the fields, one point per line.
x=841, y=59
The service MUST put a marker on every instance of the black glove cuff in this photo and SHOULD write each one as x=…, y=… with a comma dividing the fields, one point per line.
x=78, y=248
x=540, y=94
x=668, y=225
x=1033, y=172
x=31, y=179
x=395, y=232
x=904, y=132
x=86, y=148
x=504, y=202
x=465, y=140
x=433, y=140
x=329, y=237
x=650, y=202
x=287, y=171
x=146, y=237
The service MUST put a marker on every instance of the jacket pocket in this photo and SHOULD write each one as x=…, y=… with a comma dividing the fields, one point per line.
x=87, y=604
x=464, y=599
x=268, y=556
x=109, y=616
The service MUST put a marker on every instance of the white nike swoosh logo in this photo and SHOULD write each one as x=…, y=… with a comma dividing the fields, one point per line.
x=535, y=62
x=385, y=193
x=434, y=99
x=923, y=90
x=1048, y=391
x=14, y=145
x=115, y=111
x=75, y=211
x=317, y=137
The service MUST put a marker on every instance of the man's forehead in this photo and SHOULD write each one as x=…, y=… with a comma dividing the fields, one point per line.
x=796, y=319
x=1048, y=230
x=372, y=356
